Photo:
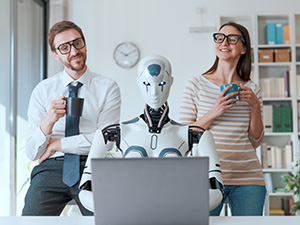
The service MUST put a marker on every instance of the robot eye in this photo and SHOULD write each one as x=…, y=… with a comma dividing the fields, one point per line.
x=162, y=83
x=146, y=83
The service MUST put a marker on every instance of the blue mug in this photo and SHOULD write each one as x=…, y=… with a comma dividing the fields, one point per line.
x=234, y=88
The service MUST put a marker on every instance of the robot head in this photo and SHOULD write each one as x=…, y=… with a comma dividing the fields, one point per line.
x=155, y=80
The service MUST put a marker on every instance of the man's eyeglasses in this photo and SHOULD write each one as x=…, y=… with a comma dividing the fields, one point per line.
x=232, y=39
x=65, y=48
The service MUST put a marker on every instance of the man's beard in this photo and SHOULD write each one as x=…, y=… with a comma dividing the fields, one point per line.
x=69, y=65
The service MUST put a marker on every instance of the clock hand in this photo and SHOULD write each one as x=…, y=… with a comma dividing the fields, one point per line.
x=122, y=52
x=131, y=52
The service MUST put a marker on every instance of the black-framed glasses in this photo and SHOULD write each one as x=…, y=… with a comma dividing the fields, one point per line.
x=232, y=39
x=65, y=48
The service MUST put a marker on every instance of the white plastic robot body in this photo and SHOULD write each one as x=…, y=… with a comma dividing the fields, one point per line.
x=98, y=150
x=171, y=142
x=153, y=134
x=207, y=147
x=153, y=144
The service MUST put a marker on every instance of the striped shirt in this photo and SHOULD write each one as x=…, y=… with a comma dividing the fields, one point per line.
x=239, y=162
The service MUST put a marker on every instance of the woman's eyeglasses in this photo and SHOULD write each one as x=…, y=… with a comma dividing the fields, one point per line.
x=232, y=39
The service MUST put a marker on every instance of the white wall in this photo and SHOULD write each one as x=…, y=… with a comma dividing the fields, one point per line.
x=158, y=27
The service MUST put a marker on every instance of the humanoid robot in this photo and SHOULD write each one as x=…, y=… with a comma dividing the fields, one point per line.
x=153, y=133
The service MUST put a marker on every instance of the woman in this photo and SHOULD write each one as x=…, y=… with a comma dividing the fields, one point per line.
x=237, y=127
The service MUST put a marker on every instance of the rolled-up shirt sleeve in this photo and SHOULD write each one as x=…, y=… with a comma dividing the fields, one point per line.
x=37, y=142
x=257, y=141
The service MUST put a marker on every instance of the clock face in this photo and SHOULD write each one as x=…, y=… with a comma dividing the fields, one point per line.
x=126, y=55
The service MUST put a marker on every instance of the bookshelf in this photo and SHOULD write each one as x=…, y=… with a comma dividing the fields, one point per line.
x=273, y=63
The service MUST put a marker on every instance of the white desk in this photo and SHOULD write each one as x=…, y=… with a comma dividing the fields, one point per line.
x=255, y=220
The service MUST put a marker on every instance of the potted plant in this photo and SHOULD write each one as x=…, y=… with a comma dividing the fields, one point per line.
x=292, y=183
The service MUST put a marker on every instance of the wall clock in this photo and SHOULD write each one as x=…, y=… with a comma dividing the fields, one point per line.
x=126, y=55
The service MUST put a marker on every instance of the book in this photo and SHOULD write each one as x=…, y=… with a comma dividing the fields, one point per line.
x=268, y=118
x=286, y=118
x=286, y=34
x=298, y=84
x=279, y=190
x=279, y=33
x=277, y=124
x=286, y=77
x=273, y=157
x=269, y=156
x=278, y=157
x=289, y=156
x=281, y=87
x=271, y=33
x=269, y=183
x=265, y=86
x=264, y=155
x=276, y=212
x=298, y=115
x=274, y=87
x=285, y=206
x=283, y=158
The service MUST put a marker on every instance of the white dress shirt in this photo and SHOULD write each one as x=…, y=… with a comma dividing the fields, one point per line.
x=101, y=108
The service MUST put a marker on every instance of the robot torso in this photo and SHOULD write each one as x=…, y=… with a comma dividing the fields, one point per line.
x=137, y=141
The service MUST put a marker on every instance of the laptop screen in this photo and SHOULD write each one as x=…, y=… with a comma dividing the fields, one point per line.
x=151, y=191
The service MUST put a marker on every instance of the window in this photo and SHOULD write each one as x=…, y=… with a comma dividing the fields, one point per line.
x=23, y=66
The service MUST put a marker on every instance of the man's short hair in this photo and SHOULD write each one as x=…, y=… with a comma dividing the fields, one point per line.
x=60, y=27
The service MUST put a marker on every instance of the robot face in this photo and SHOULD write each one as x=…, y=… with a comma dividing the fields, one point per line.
x=155, y=80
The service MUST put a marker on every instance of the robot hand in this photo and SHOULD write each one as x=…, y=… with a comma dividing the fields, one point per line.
x=98, y=150
x=206, y=147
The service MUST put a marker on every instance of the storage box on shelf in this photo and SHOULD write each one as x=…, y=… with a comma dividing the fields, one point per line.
x=274, y=55
x=266, y=55
x=282, y=55
x=275, y=42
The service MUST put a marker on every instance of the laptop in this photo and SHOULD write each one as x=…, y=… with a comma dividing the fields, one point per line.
x=150, y=191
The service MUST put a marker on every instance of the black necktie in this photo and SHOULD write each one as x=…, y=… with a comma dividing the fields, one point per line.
x=71, y=167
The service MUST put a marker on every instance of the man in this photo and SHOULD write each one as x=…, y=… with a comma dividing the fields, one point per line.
x=56, y=140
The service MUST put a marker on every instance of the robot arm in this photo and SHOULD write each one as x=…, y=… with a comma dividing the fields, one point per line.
x=99, y=149
x=206, y=147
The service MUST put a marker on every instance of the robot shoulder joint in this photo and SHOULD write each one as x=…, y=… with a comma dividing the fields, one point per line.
x=112, y=133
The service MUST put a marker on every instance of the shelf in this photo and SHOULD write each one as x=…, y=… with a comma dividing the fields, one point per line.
x=275, y=64
x=277, y=170
x=277, y=99
x=275, y=46
x=279, y=134
x=281, y=194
